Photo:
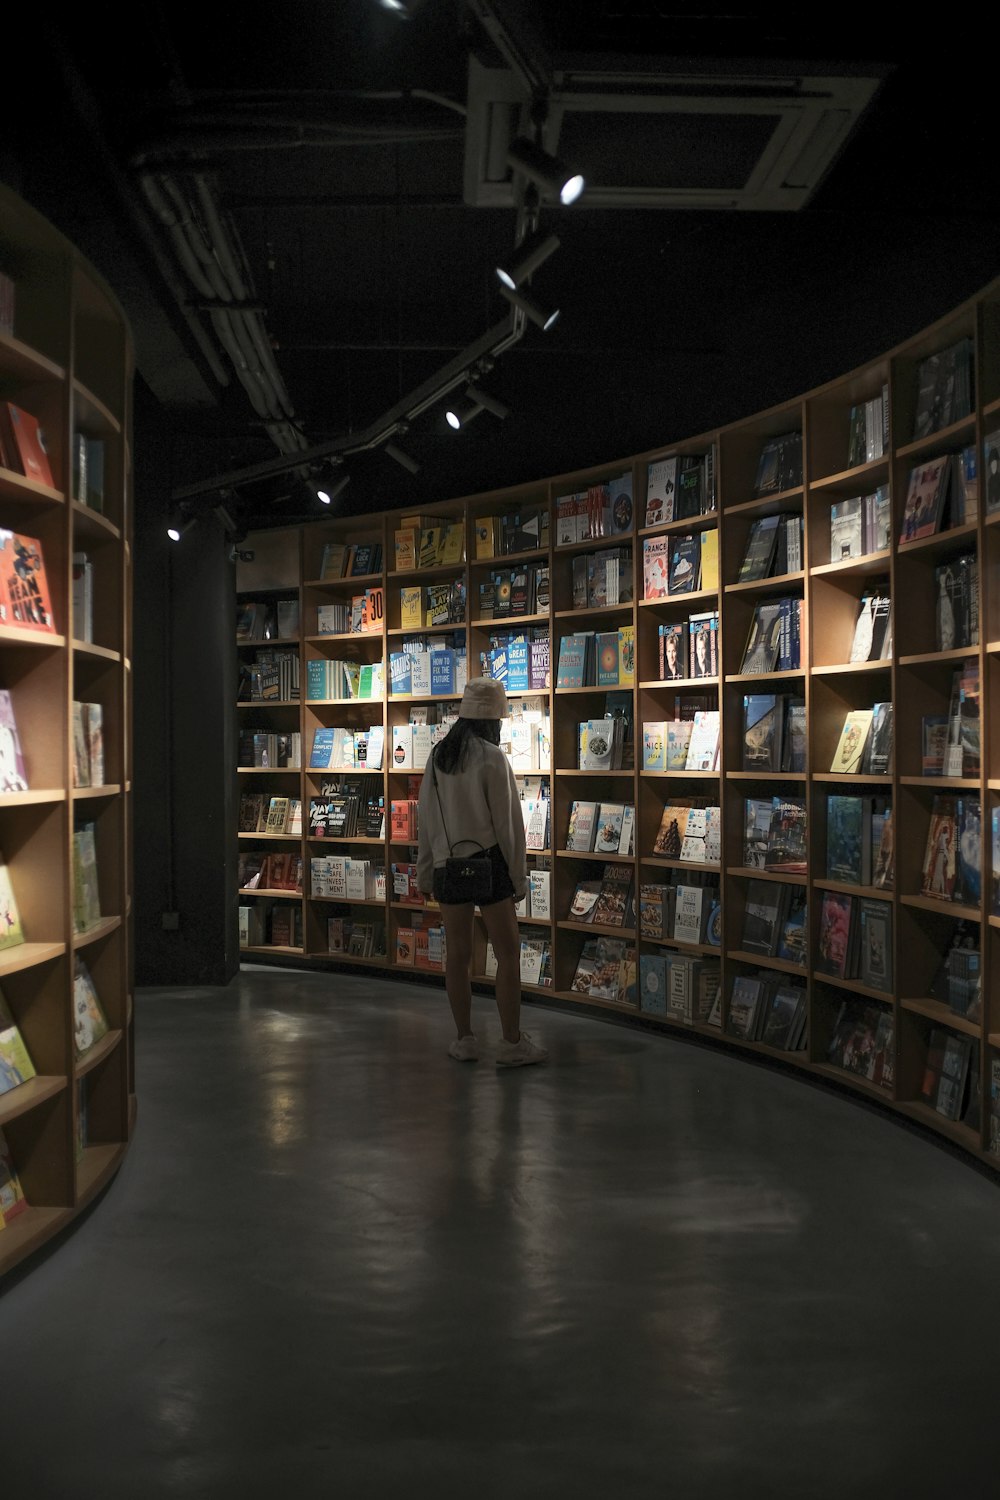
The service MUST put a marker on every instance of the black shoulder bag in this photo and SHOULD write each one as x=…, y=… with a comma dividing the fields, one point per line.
x=466, y=877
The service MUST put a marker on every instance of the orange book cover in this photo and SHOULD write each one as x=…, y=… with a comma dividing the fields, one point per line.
x=26, y=442
x=24, y=590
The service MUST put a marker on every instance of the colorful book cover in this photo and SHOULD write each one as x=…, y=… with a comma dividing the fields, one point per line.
x=89, y=1021
x=11, y=931
x=24, y=591
x=13, y=776
x=655, y=567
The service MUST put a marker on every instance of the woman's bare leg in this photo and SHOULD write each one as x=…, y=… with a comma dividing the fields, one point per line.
x=458, y=963
x=501, y=925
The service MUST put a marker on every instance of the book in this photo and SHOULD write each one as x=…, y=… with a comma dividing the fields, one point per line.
x=86, y=898
x=763, y=723
x=656, y=555
x=12, y=1199
x=16, y=1066
x=877, y=758
x=763, y=914
x=940, y=869
x=837, y=934
x=24, y=444
x=684, y=567
x=13, y=773
x=875, y=943
x=761, y=546
x=846, y=529
x=703, y=652
x=991, y=469
x=786, y=837
x=926, y=490
x=703, y=747
x=90, y=1023
x=608, y=827
x=612, y=908
x=11, y=931
x=581, y=829
x=849, y=754
x=24, y=591
x=872, y=634
x=763, y=642
x=661, y=486
x=756, y=827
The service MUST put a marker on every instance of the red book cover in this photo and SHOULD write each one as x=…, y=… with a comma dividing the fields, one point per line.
x=23, y=428
x=24, y=591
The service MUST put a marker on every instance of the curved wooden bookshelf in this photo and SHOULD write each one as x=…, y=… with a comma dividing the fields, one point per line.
x=68, y=362
x=916, y=675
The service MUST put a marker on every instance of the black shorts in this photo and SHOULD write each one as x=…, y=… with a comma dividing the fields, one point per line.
x=503, y=886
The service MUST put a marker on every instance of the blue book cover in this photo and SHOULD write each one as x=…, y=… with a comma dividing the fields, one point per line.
x=518, y=672
x=442, y=671
x=572, y=661
x=322, y=747
x=400, y=672
x=653, y=984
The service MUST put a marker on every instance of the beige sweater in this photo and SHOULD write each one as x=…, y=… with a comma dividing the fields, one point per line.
x=481, y=806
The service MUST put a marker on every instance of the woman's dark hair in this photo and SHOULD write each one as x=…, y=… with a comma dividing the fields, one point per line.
x=451, y=754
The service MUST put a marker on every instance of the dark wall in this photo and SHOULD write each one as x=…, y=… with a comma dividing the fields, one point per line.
x=184, y=734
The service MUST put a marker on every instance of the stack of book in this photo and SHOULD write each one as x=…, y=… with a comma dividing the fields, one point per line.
x=681, y=987
x=600, y=827
x=602, y=510
x=779, y=467
x=863, y=1042
x=680, y=486
x=605, y=970
x=855, y=939
x=768, y=1008
x=868, y=429
x=861, y=525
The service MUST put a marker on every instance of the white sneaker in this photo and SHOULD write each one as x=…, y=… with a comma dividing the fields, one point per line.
x=521, y=1053
x=464, y=1049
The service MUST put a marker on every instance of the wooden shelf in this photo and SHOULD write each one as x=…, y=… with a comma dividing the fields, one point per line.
x=945, y=908
x=853, y=567
x=853, y=986
x=943, y=1015
x=677, y=602
x=68, y=305
x=783, y=877
x=765, y=585
x=762, y=961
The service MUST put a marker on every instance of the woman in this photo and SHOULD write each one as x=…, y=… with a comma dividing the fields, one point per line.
x=469, y=799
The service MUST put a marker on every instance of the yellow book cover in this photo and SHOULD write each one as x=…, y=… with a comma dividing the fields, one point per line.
x=626, y=656
x=277, y=815
x=850, y=749
x=407, y=540
x=410, y=608
x=11, y=931
x=710, y=558
x=334, y=558
x=451, y=547
x=486, y=536
x=89, y=1021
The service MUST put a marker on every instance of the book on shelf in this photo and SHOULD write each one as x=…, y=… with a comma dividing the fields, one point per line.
x=877, y=758
x=672, y=643
x=756, y=826
x=940, y=865
x=848, y=757
x=661, y=489
x=613, y=906
x=703, y=644
x=90, y=1023
x=793, y=929
x=581, y=828
x=764, y=639
x=838, y=934
x=954, y=1075
x=849, y=839
x=935, y=731
x=703, y=746
x=883, y=849
x=926, y=492
x=16, y=1066
x=24, y=444
x=86, y=897
x=956, y=588
x=763, y=915
x=862, y=1041
x=13, y=771
x=12, y=1199
x=868, y=429
x=786, y=836
x=25, y=601
x=761, y=548
x=945, y=388
x=991, y=470
x=11, y=930
x=656, y=557
x=692, y=905
x=783, y=1008
x=872, y=639
x=763, y=726
x=780, y=464
x=684, y=567
x=875, y=943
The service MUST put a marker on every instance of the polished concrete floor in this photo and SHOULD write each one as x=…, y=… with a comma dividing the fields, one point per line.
x=337, y=1264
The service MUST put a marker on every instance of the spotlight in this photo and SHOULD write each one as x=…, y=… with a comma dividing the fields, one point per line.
x=527, y=257
x=548, y=171
x=530, y=309
x=487, y=402
x=402, y=458
x=327, y=491
x=461, y=415
x=176, y=532
x=404, y=9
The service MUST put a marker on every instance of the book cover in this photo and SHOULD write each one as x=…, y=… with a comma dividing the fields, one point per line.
x=656, y=553
x=581, y=908
x=13, y=774
x=846, y=529
x=836, y=934
x=24, y=443
x=684, y=570
x=90, y=1023
x=763, y=641
x=762, y=916
x=743, y=1003
x=679, y=733
x=612, y=907
x=703, y=630
x=940, y=864
x=11, y=931
x=786, y=836
x=661, y=486
x=24, y=589
x=875, y=919
x=670, y=834
x=703, y=747
x=12, y=1199
x=756, y=826
x=848, y=839
x=849, y=754
x=925, y=496
x=763, y=722
x=877, y=760
x=758, y=555
x=16, y=1065
x=793, y=936
x=581, y=829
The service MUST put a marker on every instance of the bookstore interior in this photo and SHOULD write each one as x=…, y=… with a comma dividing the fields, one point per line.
x=755, y=765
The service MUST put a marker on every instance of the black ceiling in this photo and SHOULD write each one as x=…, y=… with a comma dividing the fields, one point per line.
x=370, y=273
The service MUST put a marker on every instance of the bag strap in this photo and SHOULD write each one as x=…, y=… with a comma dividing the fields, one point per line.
x=444, y=825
